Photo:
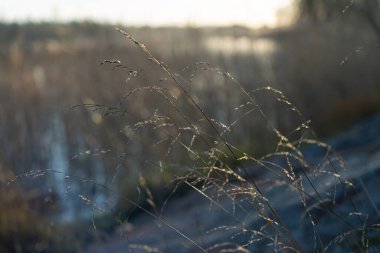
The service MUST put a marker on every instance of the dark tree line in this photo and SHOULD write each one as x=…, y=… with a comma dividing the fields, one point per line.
x=367, y=11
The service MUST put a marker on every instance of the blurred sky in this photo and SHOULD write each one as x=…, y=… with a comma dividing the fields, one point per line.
x=147, y=12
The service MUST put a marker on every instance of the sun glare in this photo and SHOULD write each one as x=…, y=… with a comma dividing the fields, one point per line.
x=147, y=12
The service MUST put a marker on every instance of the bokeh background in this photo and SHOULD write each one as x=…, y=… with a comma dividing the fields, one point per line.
x=66, y=141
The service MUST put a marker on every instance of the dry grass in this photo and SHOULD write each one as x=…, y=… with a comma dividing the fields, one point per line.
x=215, y=166
x=171, y=132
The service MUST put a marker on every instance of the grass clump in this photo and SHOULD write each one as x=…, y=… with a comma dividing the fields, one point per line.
x=199, y=151
x=271, y=187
